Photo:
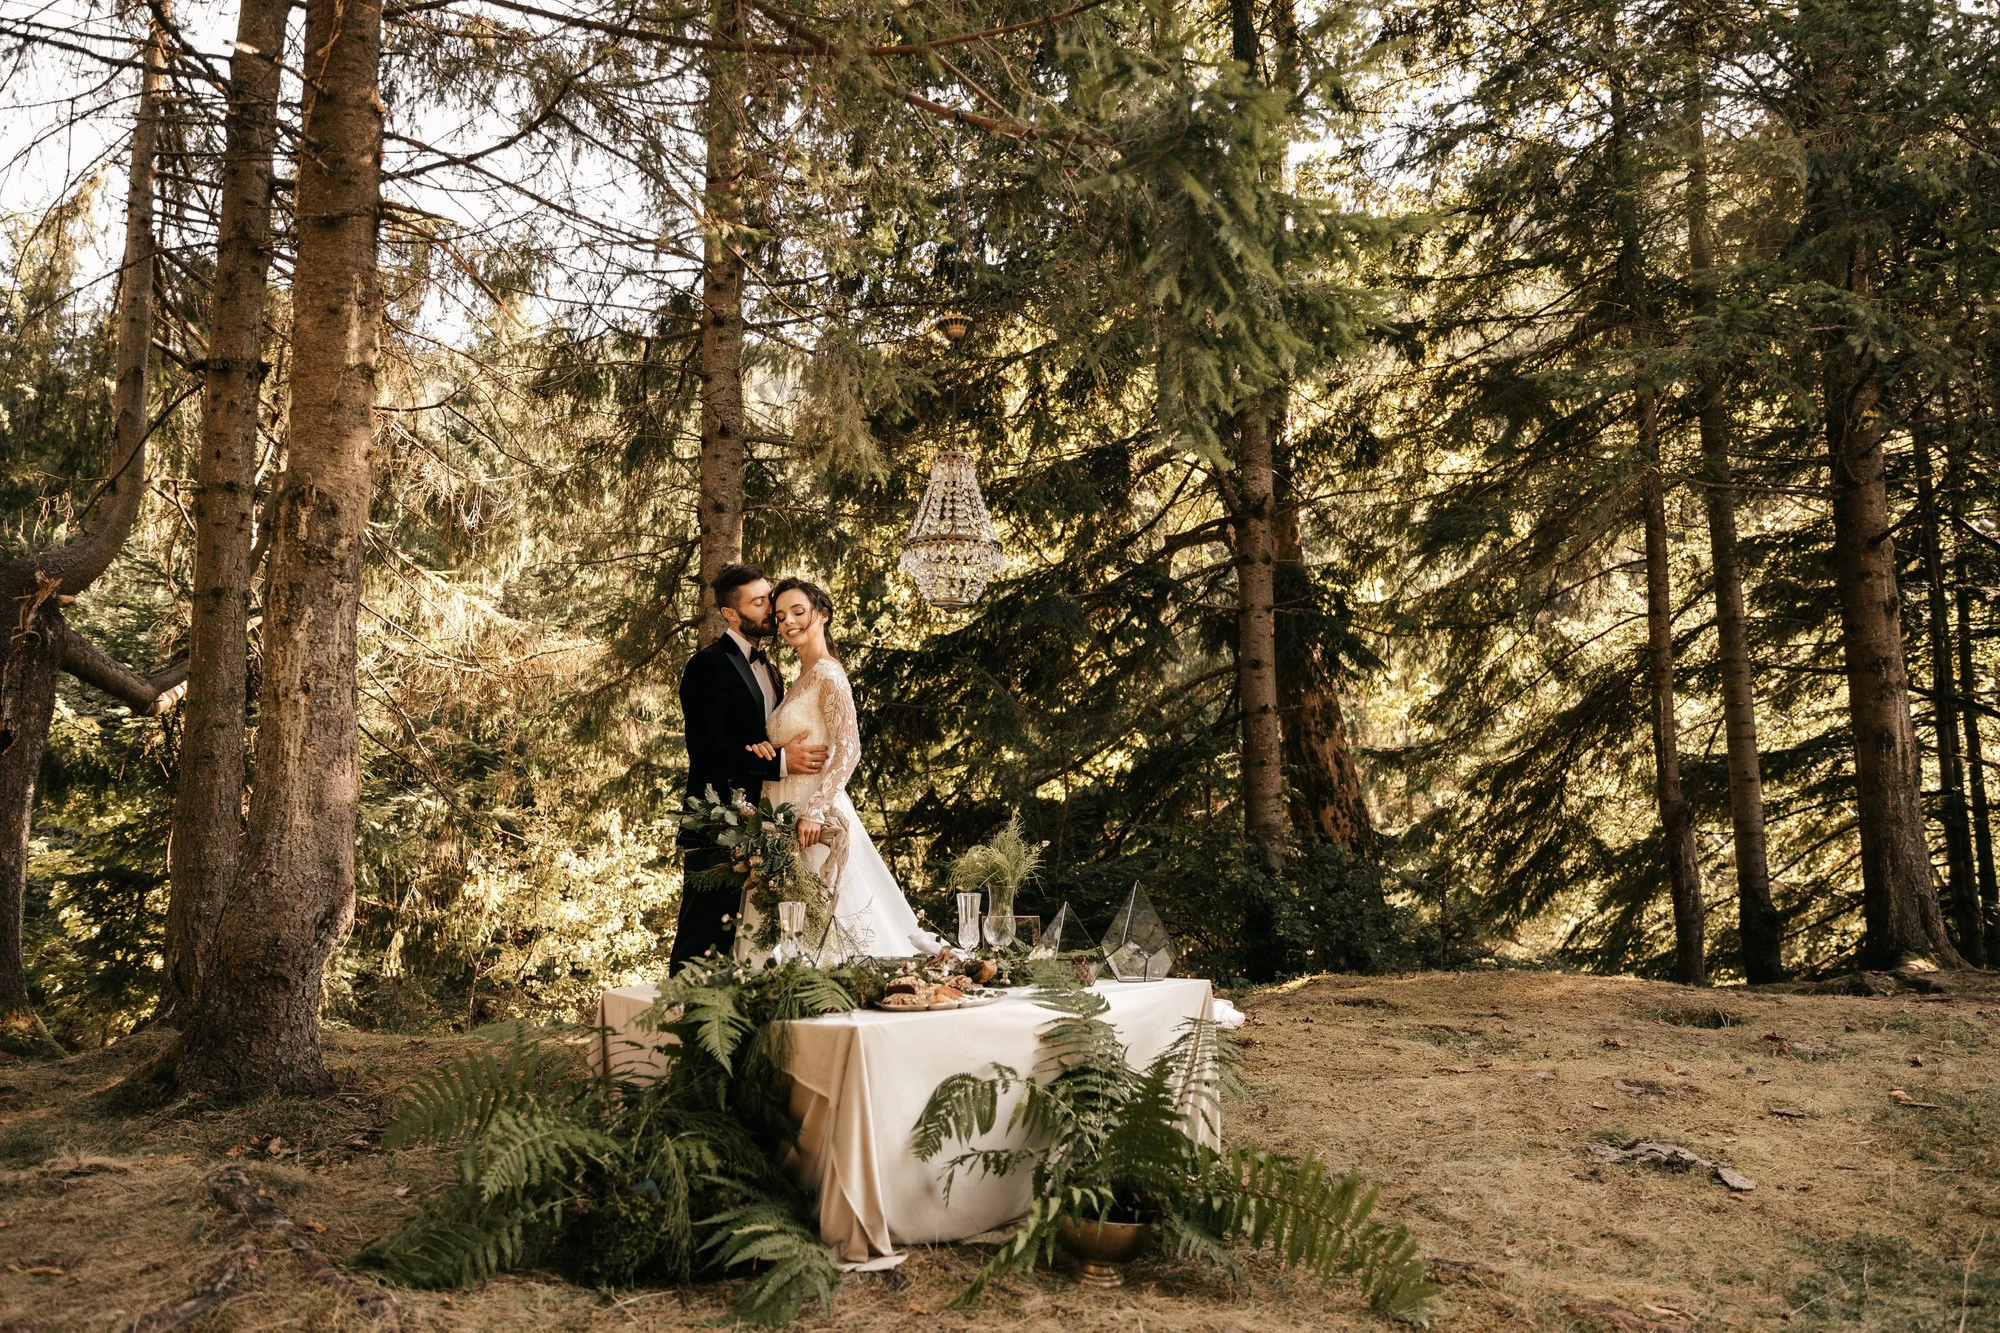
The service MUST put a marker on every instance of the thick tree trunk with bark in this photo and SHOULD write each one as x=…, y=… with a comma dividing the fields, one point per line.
x=1961, y=890
x=30, y=656
x=1759, y=928
x=724, y=451
x=32, y=588
x=1256, y=643
x=1328, y=801
x=1899, y=904
x=255, y=1022
x=1676, y=822
x=208, y=799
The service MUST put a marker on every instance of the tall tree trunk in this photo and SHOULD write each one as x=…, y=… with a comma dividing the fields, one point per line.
x=255, y=1023
x=1759, y=928
x=208, y=801
x=1975, y=757
x=30, y=656
x=1326, y=784
x=1256, y=643
x=32, y=588
x=1899, y=904
x=724, y=451
x=1676, y=822
x=1961, y=890
x=1254, y=491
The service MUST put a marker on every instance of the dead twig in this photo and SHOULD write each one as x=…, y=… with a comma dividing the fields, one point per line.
x=236, y=1274
x=233, y=1190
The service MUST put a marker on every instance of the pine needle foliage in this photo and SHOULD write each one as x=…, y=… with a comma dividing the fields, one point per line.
x=673, y=1180
x=1110, y=1142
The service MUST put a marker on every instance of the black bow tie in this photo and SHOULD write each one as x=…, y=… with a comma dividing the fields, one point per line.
x=757, y=655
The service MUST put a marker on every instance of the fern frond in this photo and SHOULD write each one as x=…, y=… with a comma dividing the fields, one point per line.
x=962, y=1107
x=455, y=1240
x=793, y=1267
x=520, y=1152
x=460, y=1099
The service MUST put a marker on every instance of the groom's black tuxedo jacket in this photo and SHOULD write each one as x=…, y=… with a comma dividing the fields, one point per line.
x=722, y=709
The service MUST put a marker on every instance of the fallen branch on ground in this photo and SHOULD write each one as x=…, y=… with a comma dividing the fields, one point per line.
x=235, y=1192
x=236, y=1274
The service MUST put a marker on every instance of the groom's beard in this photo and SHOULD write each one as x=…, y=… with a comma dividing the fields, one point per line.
x=763, y=629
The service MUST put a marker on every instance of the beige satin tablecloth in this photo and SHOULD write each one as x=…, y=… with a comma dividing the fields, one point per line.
x=861, y=1079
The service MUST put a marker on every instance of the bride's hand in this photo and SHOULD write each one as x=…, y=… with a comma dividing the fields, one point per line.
x=763, y=750
x=808, y=832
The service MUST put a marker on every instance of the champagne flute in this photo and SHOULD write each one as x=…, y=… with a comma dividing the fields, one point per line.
x=968, y=921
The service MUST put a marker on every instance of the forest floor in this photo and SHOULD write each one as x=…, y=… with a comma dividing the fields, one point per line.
x=1474, y=1099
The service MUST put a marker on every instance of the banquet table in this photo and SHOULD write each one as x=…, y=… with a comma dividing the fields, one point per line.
x=861, y=1079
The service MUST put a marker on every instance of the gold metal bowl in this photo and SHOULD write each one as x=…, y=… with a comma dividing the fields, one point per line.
x=1103, y=1249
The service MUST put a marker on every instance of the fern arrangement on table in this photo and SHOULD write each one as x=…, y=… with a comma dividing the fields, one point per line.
x=616, y=1182
x=1111, y=1143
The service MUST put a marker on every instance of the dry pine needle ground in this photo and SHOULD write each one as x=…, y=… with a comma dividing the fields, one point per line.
x=1473, y=1098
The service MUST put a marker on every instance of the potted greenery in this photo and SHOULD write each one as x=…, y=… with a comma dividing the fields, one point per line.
x=1124, y=1156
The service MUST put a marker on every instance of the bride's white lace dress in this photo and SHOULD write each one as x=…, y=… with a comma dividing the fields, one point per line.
x=868, y=905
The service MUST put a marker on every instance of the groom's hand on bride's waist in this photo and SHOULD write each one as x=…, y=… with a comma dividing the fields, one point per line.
x=802, y=760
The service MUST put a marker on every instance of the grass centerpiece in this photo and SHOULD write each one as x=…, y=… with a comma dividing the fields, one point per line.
x=615, y=1183
x=997, y=867
x=1110, y=1144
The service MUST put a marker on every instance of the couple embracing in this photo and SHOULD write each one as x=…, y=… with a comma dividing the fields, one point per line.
x=749, y=734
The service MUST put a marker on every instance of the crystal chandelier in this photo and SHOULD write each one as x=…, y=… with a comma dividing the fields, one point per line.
x=952, y=550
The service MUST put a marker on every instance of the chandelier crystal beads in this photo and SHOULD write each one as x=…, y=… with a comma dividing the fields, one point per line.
x=952, y=551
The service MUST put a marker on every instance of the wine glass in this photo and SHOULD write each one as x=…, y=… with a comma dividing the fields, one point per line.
x=791, y=921
x=1000, y=930
x=968, y=921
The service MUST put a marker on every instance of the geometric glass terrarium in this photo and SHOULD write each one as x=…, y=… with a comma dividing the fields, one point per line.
x=1137, y=947
x=1051, y=943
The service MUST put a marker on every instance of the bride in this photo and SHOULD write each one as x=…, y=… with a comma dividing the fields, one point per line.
x=871, y=911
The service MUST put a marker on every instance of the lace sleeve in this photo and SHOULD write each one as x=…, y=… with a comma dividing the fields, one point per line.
x=843, y=741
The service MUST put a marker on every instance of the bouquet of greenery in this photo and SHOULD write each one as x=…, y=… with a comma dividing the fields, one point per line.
x=998, y=867
x=765, y=859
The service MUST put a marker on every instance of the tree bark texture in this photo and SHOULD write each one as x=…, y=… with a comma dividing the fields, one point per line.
x=208, y=796
x=255, y=1023
x=29, y=659
x=724, y=451
x=1899, y=904
x=31, y=587
x=1328, y=800
x=1256, y=644
x=1962, y=891
x=1760, y=931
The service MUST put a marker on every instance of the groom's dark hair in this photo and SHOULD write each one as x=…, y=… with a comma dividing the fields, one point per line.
x=731, y=577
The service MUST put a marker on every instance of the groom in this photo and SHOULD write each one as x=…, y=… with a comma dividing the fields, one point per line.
x=727, y=691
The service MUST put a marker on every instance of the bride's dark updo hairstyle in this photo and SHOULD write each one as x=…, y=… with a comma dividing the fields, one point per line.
x=821, y=603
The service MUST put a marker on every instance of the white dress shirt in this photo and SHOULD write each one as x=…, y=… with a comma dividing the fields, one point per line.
x=765, y=682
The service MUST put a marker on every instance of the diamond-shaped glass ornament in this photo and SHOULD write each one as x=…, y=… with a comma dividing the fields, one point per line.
x=1050, y=945
x=1137, y=947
